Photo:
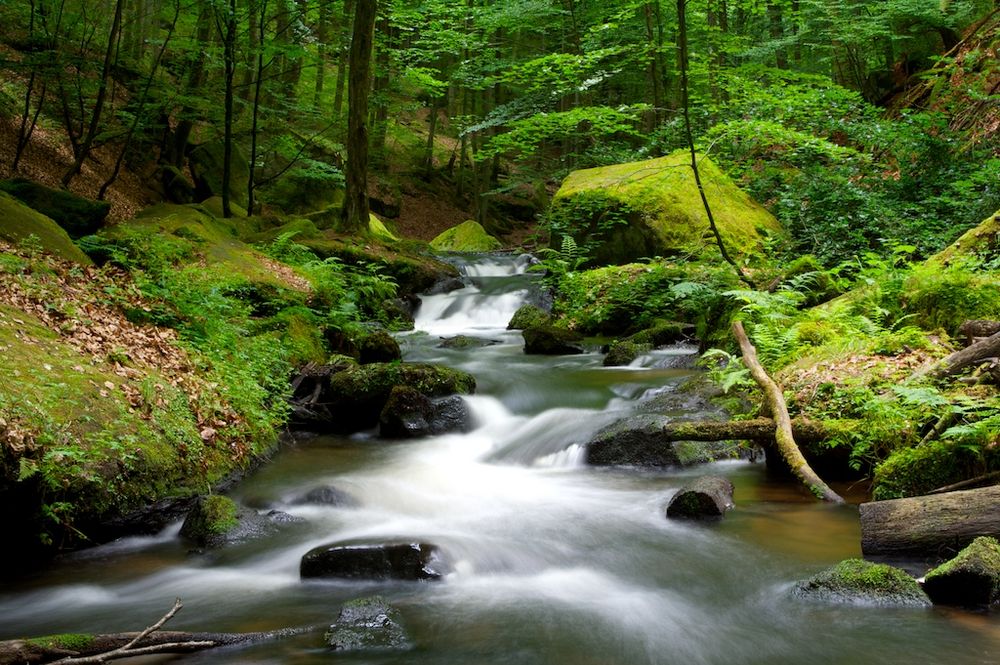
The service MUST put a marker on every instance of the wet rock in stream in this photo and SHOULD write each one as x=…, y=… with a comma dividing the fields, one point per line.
x=410, y=414
x=637, y=441
x=216, y=521
x=396, y=561
x=860, y=582
x=706, y=497
x=326, y=495
x=367, y=624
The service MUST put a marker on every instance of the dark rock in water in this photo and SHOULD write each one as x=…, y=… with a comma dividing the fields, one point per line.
x=406, y=561
x=623, y=352
x=465, y=342
x=408, y=414
x=367, y=624
x=529, y=316
x=971, y=579
x=446, y=285
x=551, y=341
x=636, y=441
x=402, y=310
x=216, y=521
x=705, y=497
x=325, y=496
x=661, y=334
x=864, y=583
x=76, y=215
x=378, y=347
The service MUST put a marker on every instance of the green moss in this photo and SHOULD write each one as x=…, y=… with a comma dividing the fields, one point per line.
x=653, y=208
x=67, y=641
x=982, y=243
x=623, y=352
x=77, y=215
x=18, y=223
x=303, y=229
x=469, y=236
x=377, y=228
x=944, y=297
x=529, y=316
x=856, y=580
x=218, y=513
x=207, y=161
x=914, y=471
x=214, y=206
x=982, y=554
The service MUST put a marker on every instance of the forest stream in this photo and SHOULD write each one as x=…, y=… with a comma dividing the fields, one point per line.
x=551, y=561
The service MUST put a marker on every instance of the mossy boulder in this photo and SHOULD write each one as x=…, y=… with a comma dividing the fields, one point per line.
x=469, y=236
x=529, y=316
x=982, y=242
x=378, y=346
x=176, y=186
x=76, y=215
x=661, y=333
x=465, y=342
x=217, y=521
x=378, y=229
x=623, y=352
x=367, y=624
x=18, y=222
x=297, y=193
x=207, y=161
x=551, y=341
x=357, y=396
x=971, y=579
x=653, y=208
x=298, y=229
x=409, y=414
x=864, y=583
x=913, y=471
x=637, y=441
x=214, y=206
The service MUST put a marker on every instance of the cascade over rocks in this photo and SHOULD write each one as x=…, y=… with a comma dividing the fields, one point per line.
x=397, y=561
x=326, y=495
x=659, y=202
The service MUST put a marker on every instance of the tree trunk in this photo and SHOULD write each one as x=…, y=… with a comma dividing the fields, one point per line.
x=761, y=430
x=704, y=497
x=177, y=148
x=970, y=355
x=260, y=29
x=338, y=96
x=323, y=36
x=230, y=65
x=655, y=76
x=783, y=435
x=102, y=92
x=359, y=85
x=929, y=526
x=776, y=26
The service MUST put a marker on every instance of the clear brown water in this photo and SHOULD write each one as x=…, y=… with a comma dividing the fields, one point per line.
x=554, y=562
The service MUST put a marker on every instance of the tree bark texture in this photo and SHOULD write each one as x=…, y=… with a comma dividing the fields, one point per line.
x=704, y=497
x=783, y=436
x=936, y=525
x=358, y=89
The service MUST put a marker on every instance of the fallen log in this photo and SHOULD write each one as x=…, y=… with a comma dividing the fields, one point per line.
x=783, y=435
x=758, y=429
x=967, y=357
x=79, y=649
x=936, y=525
x=703, y=498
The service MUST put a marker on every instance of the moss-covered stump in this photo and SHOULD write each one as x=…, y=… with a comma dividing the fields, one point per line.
x=529, y=316
x=19, y=223
x=982, y=241
x=637, y=441
x=207, y=162
x=76, y=215
x=355, y=398
x=864, y=583
x=378, y=346
x=653, y=208
x=367, y=624
x=217, y=521
x=707, y=497
x=623, y=352
x=551, y=341
x=970, y=579
x=469, y=236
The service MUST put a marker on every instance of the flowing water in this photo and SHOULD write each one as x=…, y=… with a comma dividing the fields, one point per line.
x=553, y=562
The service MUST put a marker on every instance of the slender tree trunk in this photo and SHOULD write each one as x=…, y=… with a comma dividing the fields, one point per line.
x=380, y=91
x=230, y=72
x=777, y=29
x=102, y=91
x=196, y=79
x=431, y=134
x=260, y=28
x=359, y=86
x=323, y=37
x=28, y=122
x=655, y=76
x=140, y=107
x=343, y=47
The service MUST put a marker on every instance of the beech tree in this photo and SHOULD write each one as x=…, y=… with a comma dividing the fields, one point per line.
x=356, y=212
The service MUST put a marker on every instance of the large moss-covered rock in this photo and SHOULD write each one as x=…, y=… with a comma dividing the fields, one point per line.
x=864, y=583
x=623, y=352
x=409, y=414
x=469, y=236
x=983, y=241
x=77, y=215
x=529, y=316
x=972, y=578
x=367, y=624
x=357, y=396
x=653, y=208
x=551, y=341
x=18, y=222
x=207, y=162
x=378, y=346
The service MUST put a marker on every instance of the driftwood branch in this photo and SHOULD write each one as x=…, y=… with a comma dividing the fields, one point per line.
x=967, y=357
x=106, y=647
x=783, y=435
x=761, y=430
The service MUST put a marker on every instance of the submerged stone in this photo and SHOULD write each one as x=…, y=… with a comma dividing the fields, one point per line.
x=398, y=561
x=864, y=583
x=367, y=624
x=971, y=579
x=327, y=495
